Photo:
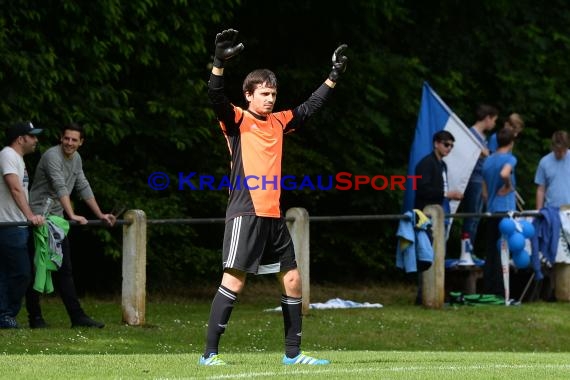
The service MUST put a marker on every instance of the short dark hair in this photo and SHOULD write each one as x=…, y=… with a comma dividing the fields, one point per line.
x=443, y=136
x=74, y=127
x=257, y=77
x=505, y=136
x=560, y=139
x=484, y=110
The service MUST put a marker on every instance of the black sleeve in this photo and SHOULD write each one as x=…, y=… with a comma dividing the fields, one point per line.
x=429, y=186
x=220, y=103
x=302, y=112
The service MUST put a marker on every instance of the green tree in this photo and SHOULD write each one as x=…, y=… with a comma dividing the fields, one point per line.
x=135, y=74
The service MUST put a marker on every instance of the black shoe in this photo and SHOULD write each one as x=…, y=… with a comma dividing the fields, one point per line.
x=8, y=323
x=85, y=321
x=37, y=323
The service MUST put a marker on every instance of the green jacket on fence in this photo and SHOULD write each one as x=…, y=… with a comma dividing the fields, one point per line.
x=47, y=258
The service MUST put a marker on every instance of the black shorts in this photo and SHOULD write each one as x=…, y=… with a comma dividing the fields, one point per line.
x=258, y=245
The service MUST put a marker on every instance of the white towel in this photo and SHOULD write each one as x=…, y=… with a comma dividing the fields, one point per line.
x=563, y=251
x=337, y=303
x=56, y=236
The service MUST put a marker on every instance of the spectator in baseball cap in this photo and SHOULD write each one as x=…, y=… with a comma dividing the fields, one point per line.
x=20, y=129
x=15, y=270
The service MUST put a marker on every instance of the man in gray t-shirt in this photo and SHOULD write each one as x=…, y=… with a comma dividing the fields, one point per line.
x=58, y=174
x=21, y=139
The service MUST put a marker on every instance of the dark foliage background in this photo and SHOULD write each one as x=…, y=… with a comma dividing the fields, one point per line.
x=134, y=73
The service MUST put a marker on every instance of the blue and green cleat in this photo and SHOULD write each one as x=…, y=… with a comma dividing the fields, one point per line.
x=213, y=359
x=304, y=359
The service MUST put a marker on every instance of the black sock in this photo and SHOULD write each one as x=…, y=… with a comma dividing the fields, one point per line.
x=222, y=306
x=292, y=321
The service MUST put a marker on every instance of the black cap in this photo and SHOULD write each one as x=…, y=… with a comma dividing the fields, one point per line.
x=21, y=129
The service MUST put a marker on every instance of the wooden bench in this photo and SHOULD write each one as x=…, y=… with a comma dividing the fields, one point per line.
x=463, y=278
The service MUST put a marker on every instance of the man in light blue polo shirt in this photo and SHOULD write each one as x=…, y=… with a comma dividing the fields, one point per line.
x=553, y=174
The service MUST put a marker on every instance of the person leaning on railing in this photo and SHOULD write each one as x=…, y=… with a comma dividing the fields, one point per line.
x=59, y=172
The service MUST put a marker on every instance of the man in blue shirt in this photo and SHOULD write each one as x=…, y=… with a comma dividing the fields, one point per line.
x=499, y=191
x=472, y=200
x=553, y=174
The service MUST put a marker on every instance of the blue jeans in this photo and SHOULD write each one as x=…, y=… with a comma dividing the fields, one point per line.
x=15, y=269
x=472, y=203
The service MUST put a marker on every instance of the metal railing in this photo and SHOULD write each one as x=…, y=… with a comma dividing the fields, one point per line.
x=134, y=223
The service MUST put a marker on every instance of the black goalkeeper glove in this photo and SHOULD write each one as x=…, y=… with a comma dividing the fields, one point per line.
x=339, y=62
x=226, y=47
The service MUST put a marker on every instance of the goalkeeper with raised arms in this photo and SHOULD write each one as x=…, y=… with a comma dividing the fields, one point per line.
x=256, y=239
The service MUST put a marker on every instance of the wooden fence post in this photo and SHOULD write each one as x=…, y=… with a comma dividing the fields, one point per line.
x=299, y=230
x=134, y=268
x=433, y=279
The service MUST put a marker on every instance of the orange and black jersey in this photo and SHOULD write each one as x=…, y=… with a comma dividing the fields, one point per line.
x=256, y=147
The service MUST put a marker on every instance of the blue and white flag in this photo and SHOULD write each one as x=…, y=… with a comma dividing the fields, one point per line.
x=434, y=116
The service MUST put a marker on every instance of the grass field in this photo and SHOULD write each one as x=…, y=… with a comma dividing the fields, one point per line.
x=398, y=341
x=345, y=365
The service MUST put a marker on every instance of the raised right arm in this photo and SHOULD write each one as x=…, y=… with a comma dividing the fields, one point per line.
x=225, y=49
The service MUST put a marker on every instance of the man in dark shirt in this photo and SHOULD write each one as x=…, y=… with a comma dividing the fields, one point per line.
x=432, y=185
